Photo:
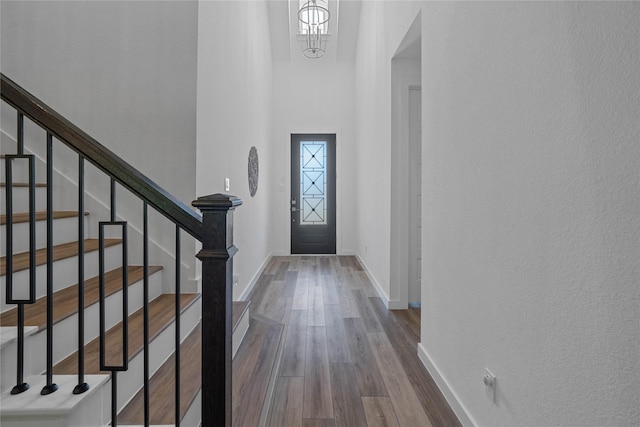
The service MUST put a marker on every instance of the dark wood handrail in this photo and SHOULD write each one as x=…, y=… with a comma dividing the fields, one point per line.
x=100, y=156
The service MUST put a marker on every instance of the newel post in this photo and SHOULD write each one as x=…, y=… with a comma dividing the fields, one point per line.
x=217, y=302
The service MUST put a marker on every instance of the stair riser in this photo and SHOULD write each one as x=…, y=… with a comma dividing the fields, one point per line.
x=66, y=331
x=65, y=273
x=8, y=360
x=194, y=414
x=21, y=199
x=60, y=409
x=160, y=349
x=21, y=172
x=64, y=230
x=65, y=335
x=239, y=332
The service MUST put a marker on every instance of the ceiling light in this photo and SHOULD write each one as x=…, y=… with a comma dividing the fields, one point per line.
x=314, y=23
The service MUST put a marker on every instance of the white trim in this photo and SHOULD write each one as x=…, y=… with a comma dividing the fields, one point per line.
x=445, y=388
x=254, y=279
x=390, y=304
x=347, y=252
x=280, y=253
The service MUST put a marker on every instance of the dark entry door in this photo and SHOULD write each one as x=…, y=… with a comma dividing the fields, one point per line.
x=313, y=194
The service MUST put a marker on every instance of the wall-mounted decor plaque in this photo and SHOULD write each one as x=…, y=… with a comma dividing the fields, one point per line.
x=253, y=171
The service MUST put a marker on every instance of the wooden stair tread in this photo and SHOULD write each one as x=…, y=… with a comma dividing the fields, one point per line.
x=162, y=386
x=62, y=251
x=252, y=370
x=24, y=184
x=162, y=392
x=65, y=301
x=40, y=216
x=161, y=314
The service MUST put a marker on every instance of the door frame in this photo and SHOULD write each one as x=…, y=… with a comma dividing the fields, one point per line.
x=399, y=260
x=286, y=221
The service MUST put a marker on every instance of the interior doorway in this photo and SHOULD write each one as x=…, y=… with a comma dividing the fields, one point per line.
x=405, y=281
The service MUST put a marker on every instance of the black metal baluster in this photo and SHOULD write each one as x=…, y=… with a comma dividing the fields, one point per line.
x=125, y=314
x=82, y=386
x=114, y=398
x=177, y=358
x=113, y=200
x=50, y=387
x=21, y=385
x=20, y=133
x=145, y=302
x=8, y=179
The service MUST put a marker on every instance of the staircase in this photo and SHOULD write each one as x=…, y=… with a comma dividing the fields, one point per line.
x=87, y=338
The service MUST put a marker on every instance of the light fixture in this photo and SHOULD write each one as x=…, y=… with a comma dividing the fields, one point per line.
x=314, y=23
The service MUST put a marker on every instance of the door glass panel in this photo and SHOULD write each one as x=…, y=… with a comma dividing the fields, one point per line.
x=313, y=182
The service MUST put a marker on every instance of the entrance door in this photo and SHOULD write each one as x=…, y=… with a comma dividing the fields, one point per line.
x=313, y=194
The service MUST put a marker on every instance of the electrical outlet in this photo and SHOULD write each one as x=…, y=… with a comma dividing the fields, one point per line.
x=490, y=384
x=226, y=184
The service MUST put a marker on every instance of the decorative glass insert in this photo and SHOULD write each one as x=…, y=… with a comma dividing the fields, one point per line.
x=313, y=182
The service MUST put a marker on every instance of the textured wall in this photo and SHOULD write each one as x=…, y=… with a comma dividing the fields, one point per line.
x=531, y=243
x=530, y=190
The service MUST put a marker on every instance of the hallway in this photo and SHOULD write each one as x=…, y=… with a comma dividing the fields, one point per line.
x=345, y=359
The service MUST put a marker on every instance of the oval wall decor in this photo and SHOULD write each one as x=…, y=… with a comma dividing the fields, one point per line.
x=253, y=171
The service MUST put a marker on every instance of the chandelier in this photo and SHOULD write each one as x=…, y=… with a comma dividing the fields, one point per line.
x=314, y=23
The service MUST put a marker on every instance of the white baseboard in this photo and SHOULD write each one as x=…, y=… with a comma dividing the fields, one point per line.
x=254, y=279
x=445, y=388
x=390, y=304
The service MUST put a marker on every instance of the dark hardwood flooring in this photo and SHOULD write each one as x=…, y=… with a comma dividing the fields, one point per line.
x=252, y=370
x=346, y=359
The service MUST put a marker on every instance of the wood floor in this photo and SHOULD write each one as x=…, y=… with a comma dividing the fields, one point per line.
x=346, y=360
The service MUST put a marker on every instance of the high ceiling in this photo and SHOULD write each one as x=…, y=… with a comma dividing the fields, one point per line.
x=343, y=30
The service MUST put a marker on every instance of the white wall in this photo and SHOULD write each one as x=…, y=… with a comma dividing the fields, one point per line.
x=124, y=72
x=530, y=213
x=314, y=96
x=383, y=26
x=234, y=113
